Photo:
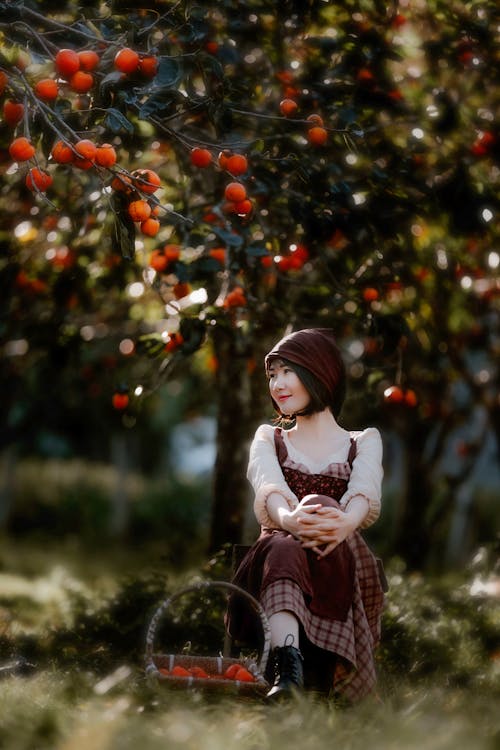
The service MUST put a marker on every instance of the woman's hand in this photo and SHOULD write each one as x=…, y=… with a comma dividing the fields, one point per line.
x=325, y=529
x=291, y=520
x=329, y=526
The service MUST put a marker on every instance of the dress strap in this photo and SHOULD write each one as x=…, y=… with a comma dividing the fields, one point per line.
x=352, y=452
x=280, y=446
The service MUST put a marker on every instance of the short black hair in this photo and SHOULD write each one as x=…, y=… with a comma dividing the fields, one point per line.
x=320, y=396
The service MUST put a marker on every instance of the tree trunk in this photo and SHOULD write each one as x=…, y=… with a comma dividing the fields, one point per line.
x=242, y=404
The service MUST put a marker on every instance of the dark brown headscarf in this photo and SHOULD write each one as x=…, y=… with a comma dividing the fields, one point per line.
x=316, y=350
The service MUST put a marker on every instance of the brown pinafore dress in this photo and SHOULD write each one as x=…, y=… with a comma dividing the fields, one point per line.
x=337, y=599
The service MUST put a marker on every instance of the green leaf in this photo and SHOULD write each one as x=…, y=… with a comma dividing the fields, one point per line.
x=123, y=236
x=256, y=251
x=151, y=344
x=117, y=122
x=168, y=74
x=229, y=238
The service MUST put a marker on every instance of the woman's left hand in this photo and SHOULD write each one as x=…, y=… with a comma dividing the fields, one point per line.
x=326, y=529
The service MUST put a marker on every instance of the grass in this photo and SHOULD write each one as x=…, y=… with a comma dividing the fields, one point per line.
x=83, y=617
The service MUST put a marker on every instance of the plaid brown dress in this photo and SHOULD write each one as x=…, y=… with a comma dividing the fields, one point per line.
x=337, y=599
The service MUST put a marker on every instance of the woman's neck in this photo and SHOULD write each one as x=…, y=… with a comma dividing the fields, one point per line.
x=317, y=427
x=315, y=435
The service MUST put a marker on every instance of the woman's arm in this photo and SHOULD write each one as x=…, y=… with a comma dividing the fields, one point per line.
x=366, y=476
x=266, y=477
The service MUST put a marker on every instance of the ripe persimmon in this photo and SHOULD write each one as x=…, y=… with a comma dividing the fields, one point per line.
x=105, y=155
x=157, y=260
x=315, y=120
x=218, y=254
x=288, y=107
x=198, y=672
x=13, y=112
x=62, y=153
x=394, y=394
x=231, y=671
x=171, y=252
x=120, y=401
x=235, y=298
x=86, y=149
x=67, y=63
x=243, y=675
x=242, y=208
x=370, y=294
x=235, y=191
x=317, y=135
x=126, y=60
x=148, y=65
x=237, y=164
x=175, y=341
x=223, y=158
x=179, y=671
x=21, y=149
x=139, y=210
x=47, y=89
x=146, y=180
x=122, y=183
x=150, y=227
x=37, y=179
x=410, y=397
x=81, y=82
x=201, y=157
x=89, y=60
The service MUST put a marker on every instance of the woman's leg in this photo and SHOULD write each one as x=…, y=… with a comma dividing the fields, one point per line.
x=284, y=629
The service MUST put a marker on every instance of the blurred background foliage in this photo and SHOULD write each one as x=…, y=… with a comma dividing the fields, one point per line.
x=388, y=232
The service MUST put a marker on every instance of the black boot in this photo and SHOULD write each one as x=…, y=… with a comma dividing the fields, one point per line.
x=288, y=672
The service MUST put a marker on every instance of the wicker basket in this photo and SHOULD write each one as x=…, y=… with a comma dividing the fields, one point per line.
x=214, y=666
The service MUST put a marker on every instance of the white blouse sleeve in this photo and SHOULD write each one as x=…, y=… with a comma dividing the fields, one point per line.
x=367, y=474
x=265, y=475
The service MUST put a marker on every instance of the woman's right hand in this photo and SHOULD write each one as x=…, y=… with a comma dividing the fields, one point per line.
x=291, y=520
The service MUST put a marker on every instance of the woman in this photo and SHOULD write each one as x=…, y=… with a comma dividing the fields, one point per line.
x=315, y=485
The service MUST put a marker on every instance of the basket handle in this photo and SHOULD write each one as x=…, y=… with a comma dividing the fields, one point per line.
x=202, y=585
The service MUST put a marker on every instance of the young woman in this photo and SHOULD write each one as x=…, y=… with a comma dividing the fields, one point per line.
x=315, y=485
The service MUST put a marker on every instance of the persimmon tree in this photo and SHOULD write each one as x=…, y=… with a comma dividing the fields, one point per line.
x=184, y=182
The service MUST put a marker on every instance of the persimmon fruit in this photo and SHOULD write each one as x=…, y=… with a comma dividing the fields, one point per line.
x=288, y=107
x=37, y=179
x=394, y=394
x=126, y=60
x=317, y=135
x=139, y=210
x=62, y=153
x=150, y=227
x=13, y=112
x=237, y=164
x=201, y=157
x=86, y=149
x=81, y=82
x=46, y=89
x=67, y=63
x=146, y=180
x=148, y=66
x=179, y=671
x=89, y=60
x=105, y=155
x=120, y=401
x=21, y=149
x=235, y=191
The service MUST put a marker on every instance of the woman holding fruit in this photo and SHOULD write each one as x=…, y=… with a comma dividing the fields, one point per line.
x=315, y=485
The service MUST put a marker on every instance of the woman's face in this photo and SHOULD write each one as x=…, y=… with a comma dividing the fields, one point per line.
x=286, y=388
